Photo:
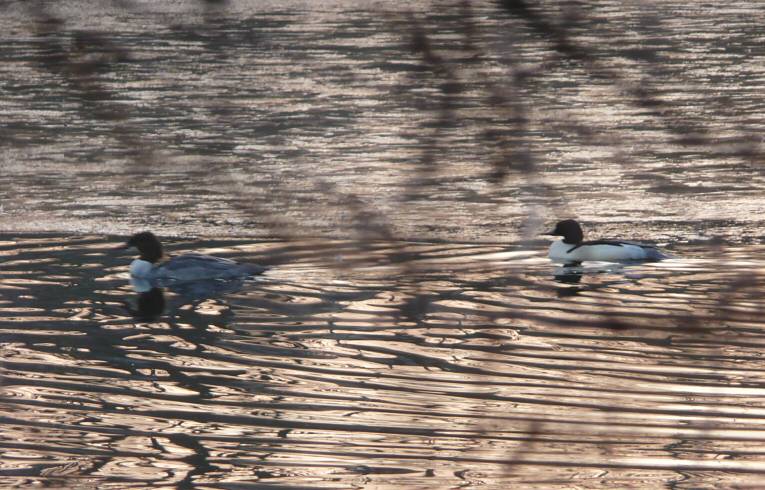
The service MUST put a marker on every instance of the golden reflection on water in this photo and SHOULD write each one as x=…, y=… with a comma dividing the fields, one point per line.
x=270, y=119
x=371, y=361
x=437, y=371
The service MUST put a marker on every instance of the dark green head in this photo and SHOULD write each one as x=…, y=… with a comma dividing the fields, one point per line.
x=148, y=245
x=569, y=230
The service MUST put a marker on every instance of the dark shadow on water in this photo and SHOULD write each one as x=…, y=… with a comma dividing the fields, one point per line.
x=568, y=274
x=151, y=302
x=572, y=275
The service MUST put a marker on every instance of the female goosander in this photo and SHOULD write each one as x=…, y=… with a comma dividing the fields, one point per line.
x=573, y=249
x=152, y=266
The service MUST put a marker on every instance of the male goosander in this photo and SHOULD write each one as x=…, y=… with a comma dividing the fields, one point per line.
x=573, y=249
x=153, y=266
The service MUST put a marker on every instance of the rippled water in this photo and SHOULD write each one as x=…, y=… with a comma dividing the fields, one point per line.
x=259, y=120
x=392, y=162
x=461, y=365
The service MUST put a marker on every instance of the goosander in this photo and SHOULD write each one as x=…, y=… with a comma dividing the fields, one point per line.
x=152, y=266
x=572, y=248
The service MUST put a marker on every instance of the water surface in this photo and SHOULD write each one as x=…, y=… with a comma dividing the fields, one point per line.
x=462, y=364
x=276, y=119
x=393, y=162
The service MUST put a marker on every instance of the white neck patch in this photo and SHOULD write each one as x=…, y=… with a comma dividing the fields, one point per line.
x=141, y=269
x=559, y=250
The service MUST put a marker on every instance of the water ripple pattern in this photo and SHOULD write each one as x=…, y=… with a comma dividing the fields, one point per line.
x=392, y=162
x=482, y=364
x=445, y=120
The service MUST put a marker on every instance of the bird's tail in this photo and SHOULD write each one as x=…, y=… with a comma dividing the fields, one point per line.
x=656, y=254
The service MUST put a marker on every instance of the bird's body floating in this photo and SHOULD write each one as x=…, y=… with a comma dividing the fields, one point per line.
x=153, y=266
x=572, y=248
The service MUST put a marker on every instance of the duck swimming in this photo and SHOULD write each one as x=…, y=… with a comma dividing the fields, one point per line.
x=153, y=266
x=572, y=248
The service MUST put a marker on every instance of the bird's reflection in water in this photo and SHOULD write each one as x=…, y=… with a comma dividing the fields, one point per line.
x=151, y=302
x=572, y=274
x=569, y=273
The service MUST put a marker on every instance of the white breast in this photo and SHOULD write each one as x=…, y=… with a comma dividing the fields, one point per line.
x=141, y=269
x=140, y=285
x=562, y=252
